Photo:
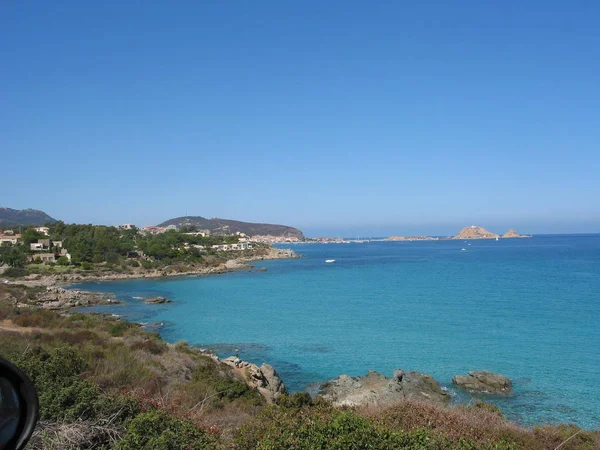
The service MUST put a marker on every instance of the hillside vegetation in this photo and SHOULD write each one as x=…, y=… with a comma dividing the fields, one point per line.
x=16, y=217
x=104, y=383
x=103, y=248
x=226, y=226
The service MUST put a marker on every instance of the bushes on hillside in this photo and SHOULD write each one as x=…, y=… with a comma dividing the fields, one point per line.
x=62, y=393
x=14, y=272
x=157, y=430
x=321, y=426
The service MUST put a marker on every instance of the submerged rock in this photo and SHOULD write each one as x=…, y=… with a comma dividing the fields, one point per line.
x=376, y=389
x=157, y=300
x=484, y=382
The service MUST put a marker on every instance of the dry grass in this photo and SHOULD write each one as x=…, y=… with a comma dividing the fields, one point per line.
x=73, y=435
x=479, y=425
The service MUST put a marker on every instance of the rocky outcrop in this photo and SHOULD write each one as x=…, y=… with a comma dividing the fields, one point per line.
x=264, y=378
x=484, y=382
x=475, y=232
x=54, y=297
x=512, y=233
x=376, y=389
x=274, y=253
x=156, y=300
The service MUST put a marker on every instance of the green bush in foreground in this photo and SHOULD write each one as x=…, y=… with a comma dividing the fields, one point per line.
x=156, y=430
x=327, y=428
x=62, y=393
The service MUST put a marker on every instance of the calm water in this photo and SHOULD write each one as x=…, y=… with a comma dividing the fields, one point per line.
x=529, y=309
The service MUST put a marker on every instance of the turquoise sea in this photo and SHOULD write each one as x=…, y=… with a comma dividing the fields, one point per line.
x=526, y=308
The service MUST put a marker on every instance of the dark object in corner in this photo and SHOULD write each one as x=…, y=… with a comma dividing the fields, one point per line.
x=19, y=407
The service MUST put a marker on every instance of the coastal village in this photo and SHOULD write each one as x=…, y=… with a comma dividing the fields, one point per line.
x=46, y=250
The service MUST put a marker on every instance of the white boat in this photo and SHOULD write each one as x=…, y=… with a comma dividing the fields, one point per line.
x=329, y=261
x=497, y=238
x=463, y=249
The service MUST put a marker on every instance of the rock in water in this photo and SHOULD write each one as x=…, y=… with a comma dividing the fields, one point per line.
x=157, y=300
x=484, y=382
x=377, y=390
x=512, y=233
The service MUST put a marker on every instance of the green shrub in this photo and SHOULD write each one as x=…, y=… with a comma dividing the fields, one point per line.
x=15, y=272
x=152, y=346
x=155, y=430
x=226, y=388
x=62, y=261
x=62, y=393
x=118, y=407
x=296, y=400
x=86, y=265
x=133, y=263
x=119, y=329
x=321, y=426
x=325, y=428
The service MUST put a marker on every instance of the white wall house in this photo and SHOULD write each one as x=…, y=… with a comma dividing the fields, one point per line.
x=44, y=230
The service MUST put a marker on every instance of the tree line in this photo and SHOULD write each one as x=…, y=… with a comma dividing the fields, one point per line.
x=94, y=244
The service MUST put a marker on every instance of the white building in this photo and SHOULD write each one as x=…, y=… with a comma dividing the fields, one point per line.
x=44, y=230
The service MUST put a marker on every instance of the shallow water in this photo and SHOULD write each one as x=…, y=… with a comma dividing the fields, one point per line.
x=526, y=308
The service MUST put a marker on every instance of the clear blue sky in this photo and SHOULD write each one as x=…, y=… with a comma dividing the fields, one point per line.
x=339, y=117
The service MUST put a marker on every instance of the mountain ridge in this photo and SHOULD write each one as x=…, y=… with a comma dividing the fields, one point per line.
x=228, y=226
x=16, y=217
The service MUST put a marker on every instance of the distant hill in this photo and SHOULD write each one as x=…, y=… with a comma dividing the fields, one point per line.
x=226, y=226
x=15, y=217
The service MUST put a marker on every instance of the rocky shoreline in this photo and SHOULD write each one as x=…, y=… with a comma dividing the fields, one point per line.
x=373, y=389
x=56, y=297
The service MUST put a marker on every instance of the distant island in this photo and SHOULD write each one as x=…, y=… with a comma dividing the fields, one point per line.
x=476, y=232
x=471, y=232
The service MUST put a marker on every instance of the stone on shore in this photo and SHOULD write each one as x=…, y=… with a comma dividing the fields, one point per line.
x=376, y=389
x=265, y=378
x=484, y=382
